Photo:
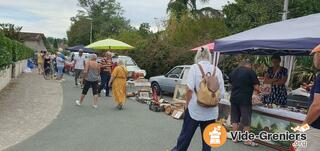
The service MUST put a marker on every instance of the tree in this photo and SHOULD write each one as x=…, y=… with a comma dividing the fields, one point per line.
x=298, y=8
x=246, y=14
x=179, y=7
x=55, y=44
x=106, y=17
x=11, y=31
x=144, y=29
x=79, y=32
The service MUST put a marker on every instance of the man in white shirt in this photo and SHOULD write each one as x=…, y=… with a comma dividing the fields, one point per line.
x=79, y=63
x=196, y=115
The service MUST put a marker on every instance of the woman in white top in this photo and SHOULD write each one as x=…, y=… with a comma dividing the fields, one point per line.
x=196, y=115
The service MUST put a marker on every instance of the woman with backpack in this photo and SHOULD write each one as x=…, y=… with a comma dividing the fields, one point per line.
x=202, y=105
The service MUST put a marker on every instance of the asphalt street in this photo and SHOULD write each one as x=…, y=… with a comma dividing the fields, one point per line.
x=106, y=129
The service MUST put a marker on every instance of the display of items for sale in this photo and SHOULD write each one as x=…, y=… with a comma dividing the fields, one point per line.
x=157, y=104
x=140, y=89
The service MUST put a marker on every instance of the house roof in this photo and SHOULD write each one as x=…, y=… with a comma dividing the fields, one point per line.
x=26, y=36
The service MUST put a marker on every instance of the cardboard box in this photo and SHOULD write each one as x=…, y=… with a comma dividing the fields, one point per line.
x=178, y=114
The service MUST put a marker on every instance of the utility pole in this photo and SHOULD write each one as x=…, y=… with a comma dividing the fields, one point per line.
x=91, y=31
x=156, y=21
x=288, y=61
x=285, y=10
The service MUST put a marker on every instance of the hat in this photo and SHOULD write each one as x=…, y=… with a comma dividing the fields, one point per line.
x=80, y=50
x=316, y=49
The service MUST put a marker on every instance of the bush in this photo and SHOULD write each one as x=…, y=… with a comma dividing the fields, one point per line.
x=12, y=51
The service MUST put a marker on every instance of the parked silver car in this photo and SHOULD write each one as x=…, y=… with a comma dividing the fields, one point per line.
x=167, y=82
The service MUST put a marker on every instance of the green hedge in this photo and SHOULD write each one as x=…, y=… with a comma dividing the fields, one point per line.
x=12, y=51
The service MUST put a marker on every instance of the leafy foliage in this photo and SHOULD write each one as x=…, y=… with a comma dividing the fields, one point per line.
x=159, y=52
x=179, y=8
x=246, y=14
x=12, y=51
x=11, y=31
x=105, y=18
x=298, y=8
x=304, y=71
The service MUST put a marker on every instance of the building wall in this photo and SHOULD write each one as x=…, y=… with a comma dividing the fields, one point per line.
x=36, y=45
x=13, y=71
x=5, y=77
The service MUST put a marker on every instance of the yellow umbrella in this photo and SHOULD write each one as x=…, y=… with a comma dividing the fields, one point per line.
x=109, y=44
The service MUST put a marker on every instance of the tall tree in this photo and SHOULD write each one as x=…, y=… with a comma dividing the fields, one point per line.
x=179, y=7
x=79, y=32
x=106, y=17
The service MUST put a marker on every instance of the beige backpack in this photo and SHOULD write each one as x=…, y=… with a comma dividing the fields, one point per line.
x=208, y=94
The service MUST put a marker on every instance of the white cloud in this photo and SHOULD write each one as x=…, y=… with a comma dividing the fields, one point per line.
x=52, y=17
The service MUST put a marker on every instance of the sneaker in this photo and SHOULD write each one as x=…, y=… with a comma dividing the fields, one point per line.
x=78, y=102
x=95, y=106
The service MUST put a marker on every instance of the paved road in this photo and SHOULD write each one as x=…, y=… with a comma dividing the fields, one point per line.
x=107, y=129
x=25, y=107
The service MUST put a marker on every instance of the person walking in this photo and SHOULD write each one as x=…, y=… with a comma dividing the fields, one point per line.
x=40, y=62
x=196, y=115
x=47, y=63
x=105, y=73
x=79, y=63
x=60, y=65
x=118, y=81
x=313, y=116
x=91, y=79
x=243, y=83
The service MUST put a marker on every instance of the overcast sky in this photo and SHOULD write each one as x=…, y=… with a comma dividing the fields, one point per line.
x=52, y=17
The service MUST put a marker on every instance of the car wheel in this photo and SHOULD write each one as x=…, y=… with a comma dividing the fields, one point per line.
x=156, y=87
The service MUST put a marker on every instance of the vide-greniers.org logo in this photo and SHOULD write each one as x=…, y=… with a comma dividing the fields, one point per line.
x=265, y=136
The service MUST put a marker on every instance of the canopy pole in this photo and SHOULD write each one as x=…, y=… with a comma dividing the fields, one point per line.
x=285, y=10
x=288, y=61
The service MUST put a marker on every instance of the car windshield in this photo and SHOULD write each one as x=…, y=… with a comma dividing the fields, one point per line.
x=128, y=61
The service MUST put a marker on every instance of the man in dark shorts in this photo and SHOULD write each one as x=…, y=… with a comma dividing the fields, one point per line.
x=243, y=81
x=91, y=79
x=313, y=116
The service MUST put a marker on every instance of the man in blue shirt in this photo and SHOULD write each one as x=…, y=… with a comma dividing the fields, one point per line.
x=313, y=116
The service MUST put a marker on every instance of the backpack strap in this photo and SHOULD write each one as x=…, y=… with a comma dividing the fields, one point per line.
x=202, y=71
x=214, y=70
